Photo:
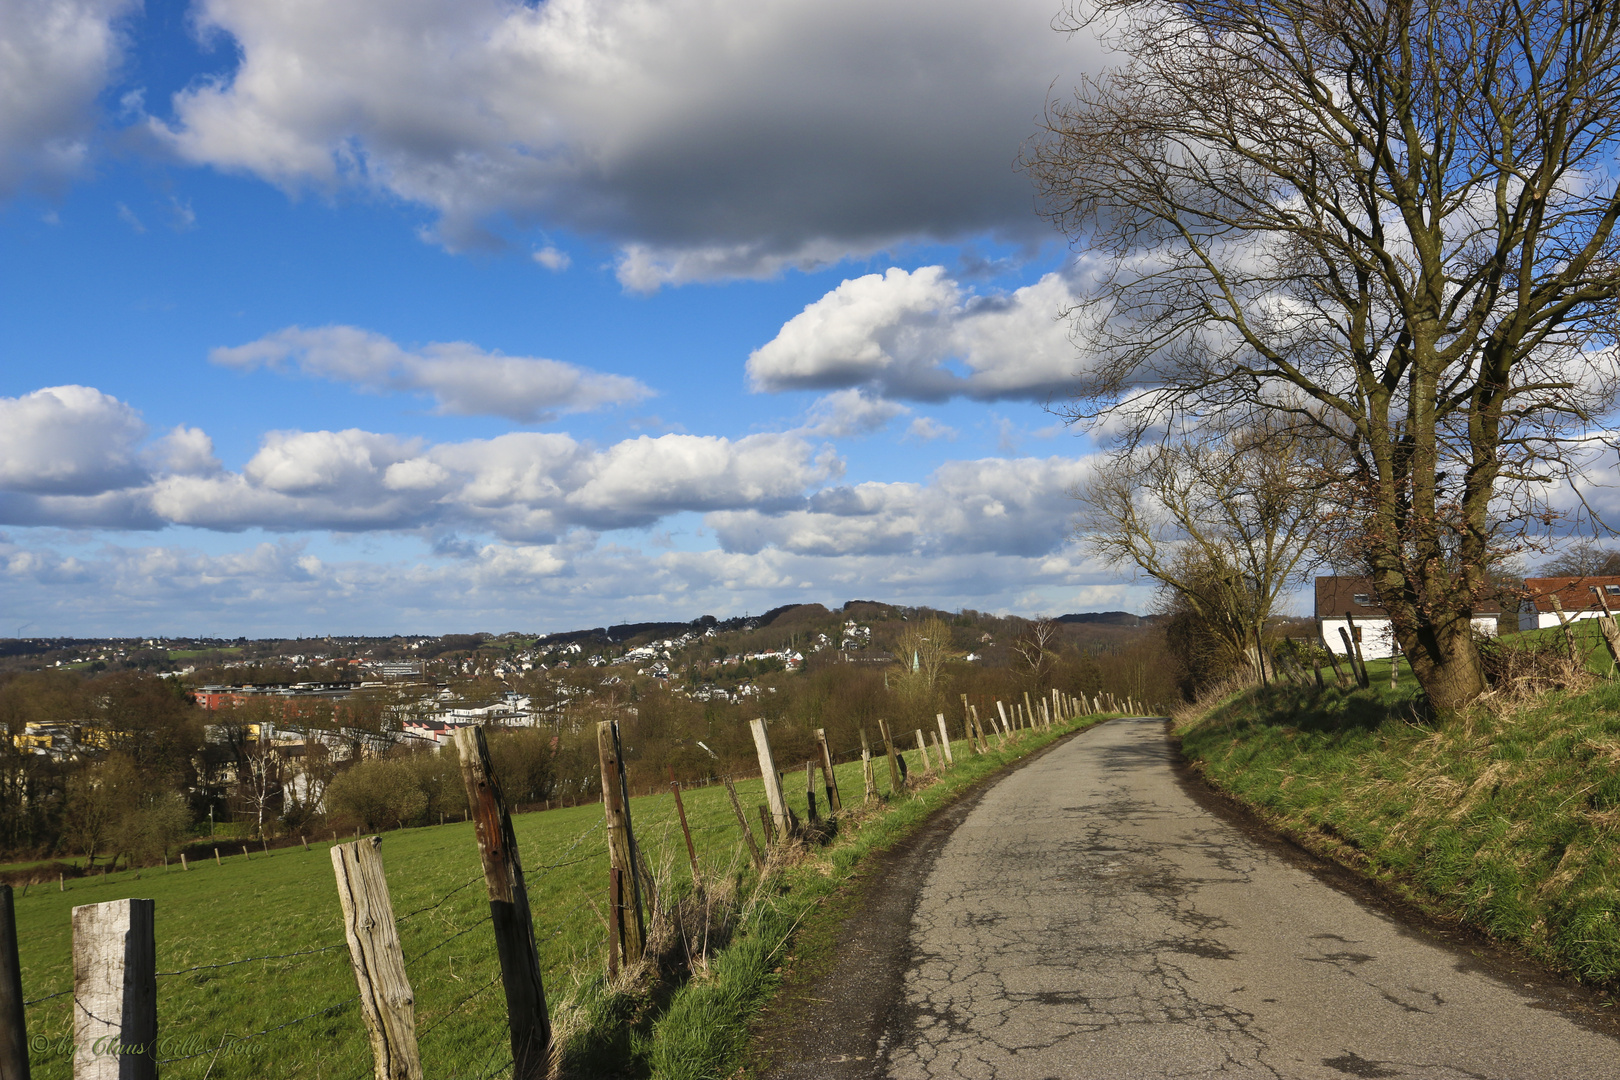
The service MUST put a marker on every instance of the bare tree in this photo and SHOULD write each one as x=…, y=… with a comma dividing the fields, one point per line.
x=1393, y=222
x=1226, y=520
x=1034, y=649
x=1583, y=559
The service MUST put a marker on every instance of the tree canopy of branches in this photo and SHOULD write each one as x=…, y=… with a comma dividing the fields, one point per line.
x=1583, y=559
x=1391, y=221
x=1226, y=521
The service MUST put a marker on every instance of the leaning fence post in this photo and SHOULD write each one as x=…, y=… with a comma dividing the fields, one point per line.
x=922, y=748
x=386, y=1000
x=13, y=1026
x=510, y=915
x=680, y=808
x=835, y=798
x=621, y=846
x=114, y=991
x=866, y=768
x=773, y=780
x=945, y=739
x=896, y=783
x=742, y=821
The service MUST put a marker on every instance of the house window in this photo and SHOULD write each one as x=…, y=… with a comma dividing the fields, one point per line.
x=1612, y=590
x=1363, y=599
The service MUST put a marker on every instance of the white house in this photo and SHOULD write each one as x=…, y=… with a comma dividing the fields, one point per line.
x=1343, y=601
x=1580, y=597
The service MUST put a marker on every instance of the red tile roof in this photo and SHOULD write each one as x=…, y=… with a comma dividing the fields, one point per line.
x=1574, y=593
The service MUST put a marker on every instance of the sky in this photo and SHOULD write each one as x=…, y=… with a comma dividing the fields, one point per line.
x=409, y=316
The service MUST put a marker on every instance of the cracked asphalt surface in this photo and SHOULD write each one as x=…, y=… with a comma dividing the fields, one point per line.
x=1085, y=917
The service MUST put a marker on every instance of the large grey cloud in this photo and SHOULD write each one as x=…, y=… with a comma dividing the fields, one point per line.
x=56, y=57
x=707, y=138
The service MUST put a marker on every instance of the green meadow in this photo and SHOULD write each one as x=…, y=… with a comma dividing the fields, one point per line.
x=254, y=976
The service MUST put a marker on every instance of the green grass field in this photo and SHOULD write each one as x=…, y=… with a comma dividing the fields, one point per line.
x=294, y=1015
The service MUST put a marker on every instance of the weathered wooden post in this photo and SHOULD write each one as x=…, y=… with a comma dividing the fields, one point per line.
x=922, y=748
x=509, y=910
x=945, y=739
x=866, y=768
x=810, y=791
x=742, y=822
x=386, y=1001
x=773, y=782
x=895, y=780
x=967, y=723
x=13, y=1026
x=114, y=991
x=1609, y=630
x=680, y=808
x=621, y=845
x=1351, y=654
x=835, y=798
x=1355, y=642
x=1569, y=635
x=765, y=824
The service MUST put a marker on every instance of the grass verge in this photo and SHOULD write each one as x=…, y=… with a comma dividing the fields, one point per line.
x=1503, y=817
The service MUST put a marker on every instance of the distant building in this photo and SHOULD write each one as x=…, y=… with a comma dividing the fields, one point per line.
x=1580, y=597
x=1338, y=596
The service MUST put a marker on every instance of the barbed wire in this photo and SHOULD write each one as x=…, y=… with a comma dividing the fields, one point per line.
x=457, y=1008
x=251, y=959
x=448, y=940
x=47, y=997
x=441, y=900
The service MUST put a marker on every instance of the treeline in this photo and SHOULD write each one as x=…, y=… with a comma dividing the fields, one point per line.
x=151, y=769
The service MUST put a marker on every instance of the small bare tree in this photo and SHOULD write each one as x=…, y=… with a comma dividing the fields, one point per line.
x=1392, y=222
x=1226, y=520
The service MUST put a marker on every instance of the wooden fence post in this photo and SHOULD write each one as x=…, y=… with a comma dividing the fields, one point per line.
x=509, y=911
x=765, y=824
x=742, y=821
x=810, y=791
x=621, y=845
x=773, y=781
x=922, y=748
x=680, y=808
x=13, y=1026
x=1609, y=630
x=386, y=1000
x=114, y=991
x=895, y=781
x=1355, y=643
x=866, y=768
x=945, y=739
x=1351, y=654
x=835, y=798
x=1006, y=728
x=1569, y=635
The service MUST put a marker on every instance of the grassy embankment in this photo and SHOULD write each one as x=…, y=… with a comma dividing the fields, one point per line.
x=1504, y=817
x=286, y=903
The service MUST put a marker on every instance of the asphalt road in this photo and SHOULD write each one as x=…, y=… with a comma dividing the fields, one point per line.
x=1085, y=917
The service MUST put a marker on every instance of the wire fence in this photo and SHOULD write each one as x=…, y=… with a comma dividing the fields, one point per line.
x=431, y=927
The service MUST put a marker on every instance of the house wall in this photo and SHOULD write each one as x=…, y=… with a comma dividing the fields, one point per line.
x=1540, y=620
x=1378, y=635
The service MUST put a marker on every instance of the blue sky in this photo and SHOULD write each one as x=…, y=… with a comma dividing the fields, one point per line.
x=441, y=315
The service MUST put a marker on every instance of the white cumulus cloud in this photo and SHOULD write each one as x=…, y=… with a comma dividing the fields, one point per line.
x=69, y=440
x=919, y=335
x=463, y=379
x=56, y=56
